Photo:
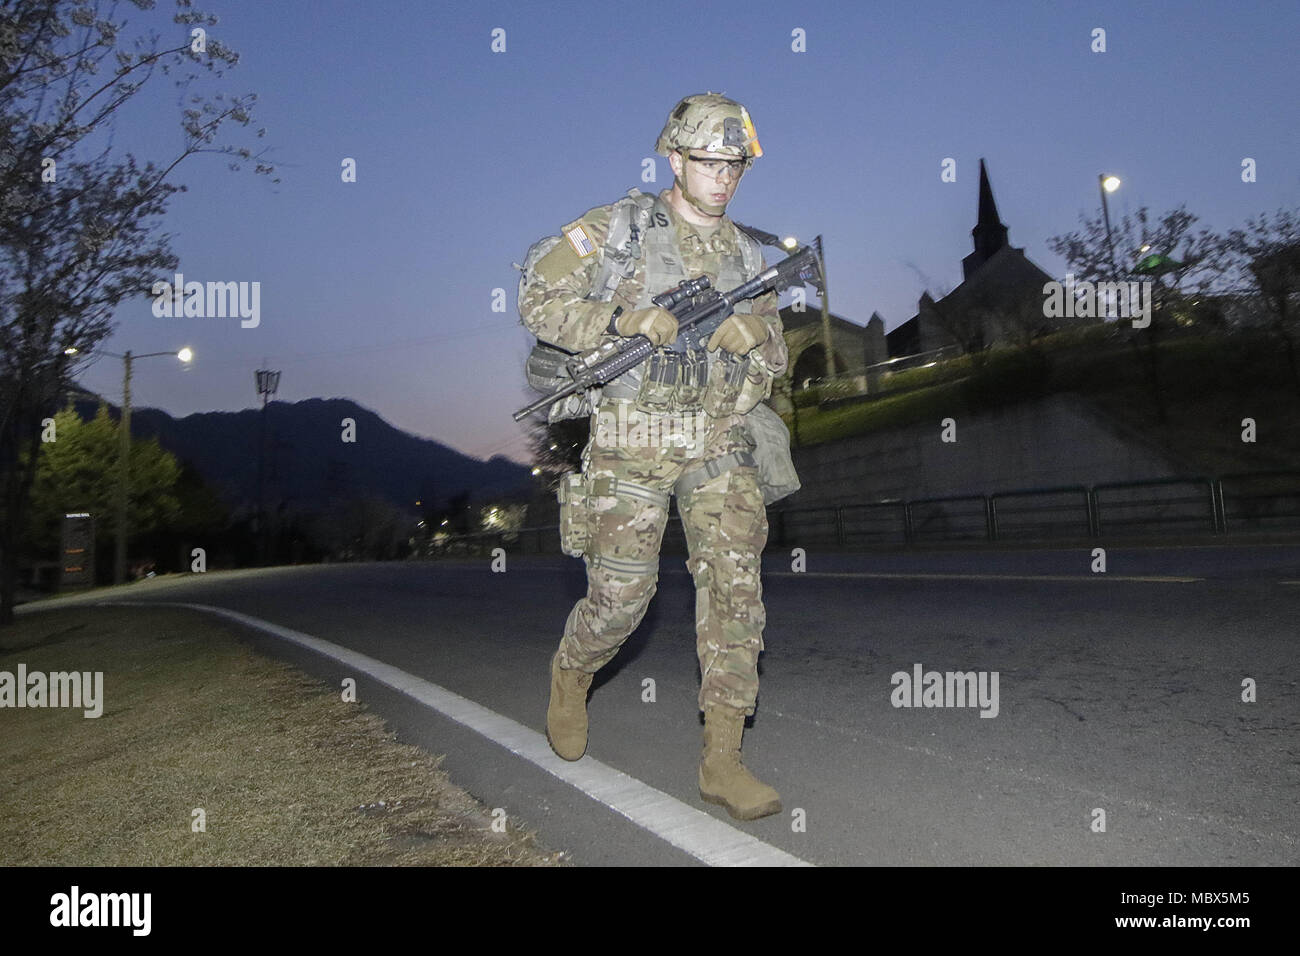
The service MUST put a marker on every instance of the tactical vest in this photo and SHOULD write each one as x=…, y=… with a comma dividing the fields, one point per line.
x=678, y=377
x=674, y=378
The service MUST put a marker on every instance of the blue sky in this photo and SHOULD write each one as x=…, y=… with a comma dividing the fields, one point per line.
x=381, y=290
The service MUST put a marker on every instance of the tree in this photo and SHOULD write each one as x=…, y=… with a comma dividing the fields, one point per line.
x=362, y=529
x=557, y=447
x=202, y=511
x=1266, y=255
x=1087, y=253
x=964, y=323
x=964, y=326
x=78, y=230
x=504, y=516
x=1198, y=265
x=70, y=476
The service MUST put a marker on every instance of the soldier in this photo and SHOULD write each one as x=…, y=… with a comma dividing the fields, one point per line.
x=672, y=426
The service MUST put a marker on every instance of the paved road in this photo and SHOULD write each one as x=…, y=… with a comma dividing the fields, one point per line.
x=1118, y=692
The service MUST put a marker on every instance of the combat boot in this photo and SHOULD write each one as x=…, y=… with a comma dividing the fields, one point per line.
x=566, y=718
x=723, y=778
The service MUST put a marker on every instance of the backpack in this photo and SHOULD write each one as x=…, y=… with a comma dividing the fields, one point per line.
x=545, y=368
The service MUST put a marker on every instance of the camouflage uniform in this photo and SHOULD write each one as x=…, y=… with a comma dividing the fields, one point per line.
x=674, y=425
x=724, y=519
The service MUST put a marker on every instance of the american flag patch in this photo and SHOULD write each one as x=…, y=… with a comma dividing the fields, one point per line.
x=580, y=241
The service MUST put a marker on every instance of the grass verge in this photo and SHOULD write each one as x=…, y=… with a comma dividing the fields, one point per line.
x=284, y=771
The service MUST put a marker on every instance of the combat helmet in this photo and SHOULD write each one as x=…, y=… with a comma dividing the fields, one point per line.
x=713, y=123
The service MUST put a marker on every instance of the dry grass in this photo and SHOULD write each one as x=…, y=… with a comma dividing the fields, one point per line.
x=286, y=772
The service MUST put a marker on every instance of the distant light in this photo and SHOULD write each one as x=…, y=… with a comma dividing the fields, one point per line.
x=538, y=471
x=186, y=354
x=789, y=242
x=1110, y=183
x=71, y=350
x=1145, y=247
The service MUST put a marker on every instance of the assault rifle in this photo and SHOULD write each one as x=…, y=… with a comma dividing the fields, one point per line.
x=699, y=309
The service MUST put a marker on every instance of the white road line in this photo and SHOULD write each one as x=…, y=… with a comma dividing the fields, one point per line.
x=956, y=576
x=707, y=839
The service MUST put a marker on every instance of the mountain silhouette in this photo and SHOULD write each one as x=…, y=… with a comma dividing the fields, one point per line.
x=308, y=464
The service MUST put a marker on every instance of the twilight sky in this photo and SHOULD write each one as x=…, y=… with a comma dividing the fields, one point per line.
x=381, y=290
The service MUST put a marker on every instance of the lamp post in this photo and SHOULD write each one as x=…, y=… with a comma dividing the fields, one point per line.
x=826, y=315
x=268, y=382
x=1108, y=184
x=124, y=451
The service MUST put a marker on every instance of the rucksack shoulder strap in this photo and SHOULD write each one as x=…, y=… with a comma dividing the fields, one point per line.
x=751, y=252
x=627, y=225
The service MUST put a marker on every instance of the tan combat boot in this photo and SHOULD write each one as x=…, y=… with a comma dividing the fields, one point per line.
x=566, y=718
x=723, y=778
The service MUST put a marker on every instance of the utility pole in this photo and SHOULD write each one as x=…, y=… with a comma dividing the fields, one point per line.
x=124, y=473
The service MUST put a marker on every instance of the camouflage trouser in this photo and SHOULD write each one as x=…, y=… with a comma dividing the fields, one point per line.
x=725, y=524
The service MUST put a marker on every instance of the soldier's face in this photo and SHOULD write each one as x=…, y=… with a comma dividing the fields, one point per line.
x=714, y=177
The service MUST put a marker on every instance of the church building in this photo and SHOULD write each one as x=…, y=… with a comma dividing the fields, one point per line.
x=999, y=302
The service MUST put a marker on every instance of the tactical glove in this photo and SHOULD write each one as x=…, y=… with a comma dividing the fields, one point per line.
x=656, y=324
x=740, y=333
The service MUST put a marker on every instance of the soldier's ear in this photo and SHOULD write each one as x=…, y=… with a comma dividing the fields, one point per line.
x=675, y=162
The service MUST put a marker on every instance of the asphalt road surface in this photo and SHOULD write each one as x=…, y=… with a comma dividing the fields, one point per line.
x=1118, y=693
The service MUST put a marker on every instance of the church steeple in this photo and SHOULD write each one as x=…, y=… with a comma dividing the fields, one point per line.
x=989, y=233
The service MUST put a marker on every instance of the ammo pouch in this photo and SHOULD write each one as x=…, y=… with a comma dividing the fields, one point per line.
x=686, y=382
x=575, y=514
x=672, y=381
x=726, y=378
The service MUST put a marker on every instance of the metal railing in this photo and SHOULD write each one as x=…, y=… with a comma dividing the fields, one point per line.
x=1259, y=501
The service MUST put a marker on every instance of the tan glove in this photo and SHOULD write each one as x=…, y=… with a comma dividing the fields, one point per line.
x=740, y=333
x=656, y=324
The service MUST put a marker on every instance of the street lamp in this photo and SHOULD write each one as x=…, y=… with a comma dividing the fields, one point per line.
x=268, y=383
x=1108, y=184
x=124, y=453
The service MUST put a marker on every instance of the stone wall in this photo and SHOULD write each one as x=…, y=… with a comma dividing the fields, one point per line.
x=1058, y=441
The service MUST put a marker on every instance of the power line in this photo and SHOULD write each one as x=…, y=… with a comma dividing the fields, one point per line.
x=368, y=349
